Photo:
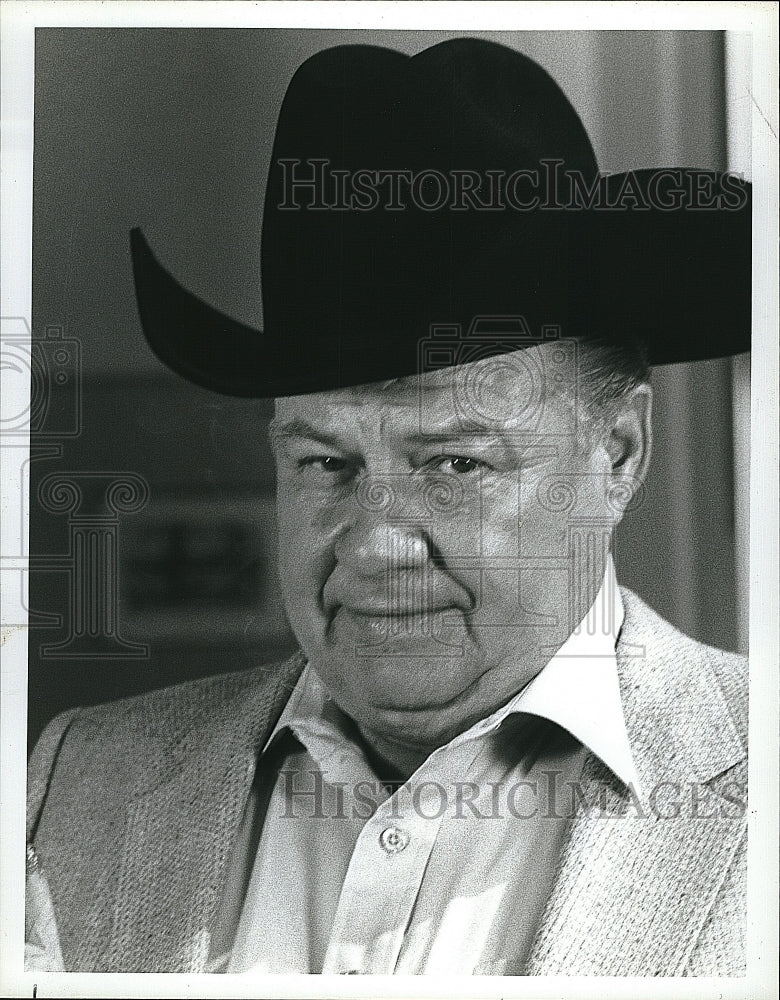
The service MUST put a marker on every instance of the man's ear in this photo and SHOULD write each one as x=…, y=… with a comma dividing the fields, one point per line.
x=629, y=441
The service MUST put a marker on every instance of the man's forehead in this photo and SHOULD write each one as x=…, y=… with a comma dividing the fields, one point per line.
x=486, y=391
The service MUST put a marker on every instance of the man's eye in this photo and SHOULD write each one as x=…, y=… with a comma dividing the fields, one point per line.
x=327, y=464
x=459, y=464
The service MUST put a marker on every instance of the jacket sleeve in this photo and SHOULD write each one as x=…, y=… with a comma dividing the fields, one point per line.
x=41, y=767
x=721, y=946
x=41, y=938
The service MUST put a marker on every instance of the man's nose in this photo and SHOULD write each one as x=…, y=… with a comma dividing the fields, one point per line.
x=387, y=530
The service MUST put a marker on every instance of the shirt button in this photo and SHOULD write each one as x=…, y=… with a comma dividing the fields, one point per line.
x=393, y=840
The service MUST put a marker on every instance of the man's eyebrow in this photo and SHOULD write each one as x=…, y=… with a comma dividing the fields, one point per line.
x=298, y=428
x=459, y=427
x=458, y=432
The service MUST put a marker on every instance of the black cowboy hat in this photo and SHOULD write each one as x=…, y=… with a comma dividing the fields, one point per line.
x=455, y=191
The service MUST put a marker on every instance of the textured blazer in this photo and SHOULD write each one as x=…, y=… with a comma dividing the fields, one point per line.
x=133, y=808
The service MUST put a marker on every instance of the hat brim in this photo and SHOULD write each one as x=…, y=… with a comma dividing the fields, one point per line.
x=680, y=281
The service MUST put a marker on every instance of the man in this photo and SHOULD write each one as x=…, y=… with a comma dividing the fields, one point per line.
x=486, y=757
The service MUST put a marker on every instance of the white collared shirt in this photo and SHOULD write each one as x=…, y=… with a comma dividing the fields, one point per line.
x=451, y=872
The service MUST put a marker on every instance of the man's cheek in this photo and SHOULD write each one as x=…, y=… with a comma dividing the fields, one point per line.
x=304, y=612
x=542, y=534
x=305, y=562
x=289, y=553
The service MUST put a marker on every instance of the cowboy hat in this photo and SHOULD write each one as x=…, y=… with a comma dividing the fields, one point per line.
x=455, y=190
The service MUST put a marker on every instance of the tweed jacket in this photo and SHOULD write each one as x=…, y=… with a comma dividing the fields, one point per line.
x=133, y=807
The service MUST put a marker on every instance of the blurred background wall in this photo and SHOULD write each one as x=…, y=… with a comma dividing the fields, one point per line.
x=172, y=130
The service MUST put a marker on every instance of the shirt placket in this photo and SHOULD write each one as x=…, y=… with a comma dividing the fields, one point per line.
x=381, y=887
x=387, y=869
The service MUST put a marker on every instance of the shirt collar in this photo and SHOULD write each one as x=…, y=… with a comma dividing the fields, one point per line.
x=577, y=689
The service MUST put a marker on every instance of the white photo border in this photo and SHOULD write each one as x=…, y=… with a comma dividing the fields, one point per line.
x=18, y=21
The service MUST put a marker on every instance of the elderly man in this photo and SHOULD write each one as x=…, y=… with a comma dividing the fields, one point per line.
x=486, y=757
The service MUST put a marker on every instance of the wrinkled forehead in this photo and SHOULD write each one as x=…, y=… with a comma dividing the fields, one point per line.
x=518, y=388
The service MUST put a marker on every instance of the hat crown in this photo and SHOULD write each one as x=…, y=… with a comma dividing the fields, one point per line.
x=415, y=251
x=462, y=104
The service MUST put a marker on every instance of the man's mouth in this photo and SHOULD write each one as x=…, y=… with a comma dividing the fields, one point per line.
x=388, y=622
x=403, y=596
x=390, y=612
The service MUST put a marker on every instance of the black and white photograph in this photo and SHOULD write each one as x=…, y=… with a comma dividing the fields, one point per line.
x=390, y=539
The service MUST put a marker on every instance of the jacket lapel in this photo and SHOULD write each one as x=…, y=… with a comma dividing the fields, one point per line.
x=178, y=834
x=640, y=872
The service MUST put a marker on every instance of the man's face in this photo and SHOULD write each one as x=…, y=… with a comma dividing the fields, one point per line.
x=433, y=538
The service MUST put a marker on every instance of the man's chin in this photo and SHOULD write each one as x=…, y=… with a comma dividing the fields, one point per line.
x=406, y=678
x=407, y=722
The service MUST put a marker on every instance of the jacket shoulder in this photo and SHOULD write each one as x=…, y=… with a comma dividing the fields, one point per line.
x=123, y=742
x=675, y=651
x=167, y=710
x=157, y=709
